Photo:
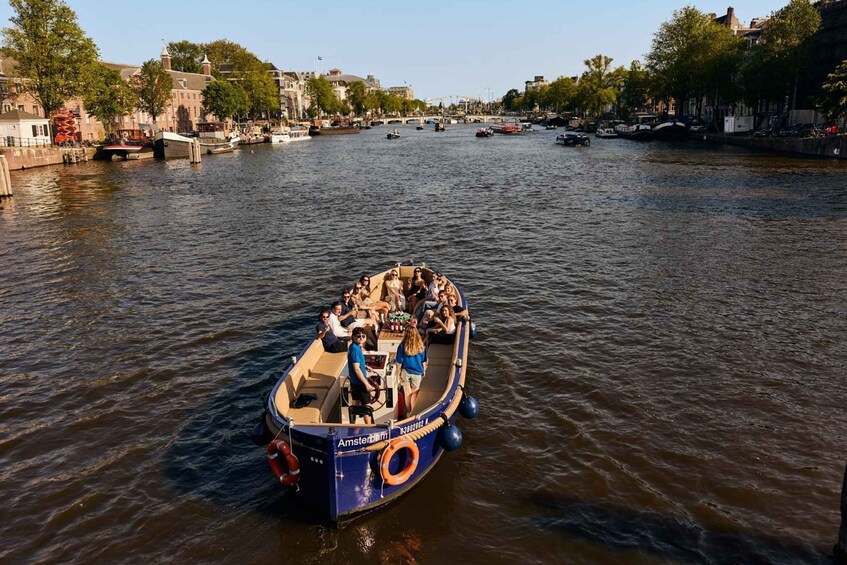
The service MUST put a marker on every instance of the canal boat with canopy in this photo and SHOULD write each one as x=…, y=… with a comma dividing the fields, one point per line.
x=317, y=443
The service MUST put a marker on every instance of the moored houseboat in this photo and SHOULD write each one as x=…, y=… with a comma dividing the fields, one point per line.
x=637, y=132
x=317, y=442
x=671, y=130
x=169, y=145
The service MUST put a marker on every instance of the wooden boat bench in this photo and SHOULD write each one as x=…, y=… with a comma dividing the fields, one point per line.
x=321, y=380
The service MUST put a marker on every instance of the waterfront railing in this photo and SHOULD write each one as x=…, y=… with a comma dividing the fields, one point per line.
x=10, y=141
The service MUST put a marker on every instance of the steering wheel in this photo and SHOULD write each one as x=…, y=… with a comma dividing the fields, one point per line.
x=375, y=394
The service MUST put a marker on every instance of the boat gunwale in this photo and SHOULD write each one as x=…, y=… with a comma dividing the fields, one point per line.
x=322, y=429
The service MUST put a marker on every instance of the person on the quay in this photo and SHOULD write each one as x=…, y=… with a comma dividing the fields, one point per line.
x=360, y=387
x=331, y=342
x=411, y=366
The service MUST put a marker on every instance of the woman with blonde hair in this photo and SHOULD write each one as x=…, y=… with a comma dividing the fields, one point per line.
x=394, y=292
x=411, y=366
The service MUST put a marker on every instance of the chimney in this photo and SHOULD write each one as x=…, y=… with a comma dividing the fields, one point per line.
x=166, y=59
x=730, y=15
x=206, y=66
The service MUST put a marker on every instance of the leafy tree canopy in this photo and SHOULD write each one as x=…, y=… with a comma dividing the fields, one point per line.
x=51, y=49
x=225, y=99
x=153, y=86
x=108, y=96
x=509, y=97
x=322, y=96
x=834, y=101
x=599, y=85
x=186, y=56
x=560, y=95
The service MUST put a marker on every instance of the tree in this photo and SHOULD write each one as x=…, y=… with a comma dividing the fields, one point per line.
x=634, y=92
x=185, y=56
x=108, y=96
x=692, y=56
x=787, y=40
x=509, y=97
x=599, y=85
x=561, y=94
x=52, y=51
x=230, y=61
x=321, y=94
x=356, y=94
x=834, y=100
x=225, y=99
x=153, y=86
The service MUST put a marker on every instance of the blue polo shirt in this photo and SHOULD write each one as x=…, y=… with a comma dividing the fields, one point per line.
x=411, y=363
x=354, y=356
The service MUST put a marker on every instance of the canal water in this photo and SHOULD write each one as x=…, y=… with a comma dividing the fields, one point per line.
x=660, y=361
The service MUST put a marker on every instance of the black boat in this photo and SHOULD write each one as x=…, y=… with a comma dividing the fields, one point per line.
x=638, y=132
x=670, y=131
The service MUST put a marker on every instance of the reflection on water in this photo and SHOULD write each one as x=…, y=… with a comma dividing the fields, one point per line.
x=659, y=361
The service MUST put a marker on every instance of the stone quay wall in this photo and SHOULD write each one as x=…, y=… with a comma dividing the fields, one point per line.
x=831, y=147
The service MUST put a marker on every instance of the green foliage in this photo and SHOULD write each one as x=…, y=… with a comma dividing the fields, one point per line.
x=691, y=56
x=599, y=85
x=516, y=104
x=635, y=90
x=509, y=97
x=834, y=100
x=51, y=49
x=323, y=98
x=561, y=94
x=787, y=39
x=225, y=99
x=186, y=56
x=391, y=103
x=247, y=70
x=153, y=86
x=356, y=94
x=108, y=96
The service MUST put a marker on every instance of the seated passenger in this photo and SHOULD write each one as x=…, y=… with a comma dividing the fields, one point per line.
x=357, y=369
x=365, y=301
x=426, y=322
x=331, y=342
x=367, y=326
x=443, y=329
x=415, y=290
x=411, y=366
x=394, y=292
x=453, y=303
x=348, y=308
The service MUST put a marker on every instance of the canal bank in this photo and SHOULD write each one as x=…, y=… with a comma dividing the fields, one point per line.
x=832, y=147
x=31, y=157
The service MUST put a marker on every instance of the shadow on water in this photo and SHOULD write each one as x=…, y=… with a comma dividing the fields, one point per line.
x=666, y=536
x=213, y=457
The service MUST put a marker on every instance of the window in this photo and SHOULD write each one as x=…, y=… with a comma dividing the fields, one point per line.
x=35, y=110
x=21, y=107
x=44, y=131
x=6, y=108
x=34, y=130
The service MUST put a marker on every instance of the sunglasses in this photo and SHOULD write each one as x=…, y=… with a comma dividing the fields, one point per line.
x=357, y=288
x=417, y=270
x=360, y=336
x=324, y=317
x=346, y=296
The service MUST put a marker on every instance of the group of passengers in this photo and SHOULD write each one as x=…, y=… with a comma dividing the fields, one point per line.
x=354, y=321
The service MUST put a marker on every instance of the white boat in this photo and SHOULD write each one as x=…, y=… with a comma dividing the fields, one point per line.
x=279, y=137
x=607, y=133
x=287, y=135
x=299, y=134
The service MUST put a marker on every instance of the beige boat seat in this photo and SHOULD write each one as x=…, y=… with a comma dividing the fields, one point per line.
x=321, y=380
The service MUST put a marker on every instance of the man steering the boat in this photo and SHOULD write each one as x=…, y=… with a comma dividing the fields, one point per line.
x=357, y=369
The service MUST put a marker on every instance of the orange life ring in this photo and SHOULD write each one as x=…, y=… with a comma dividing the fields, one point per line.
x=396, y=445
x=285, y=468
